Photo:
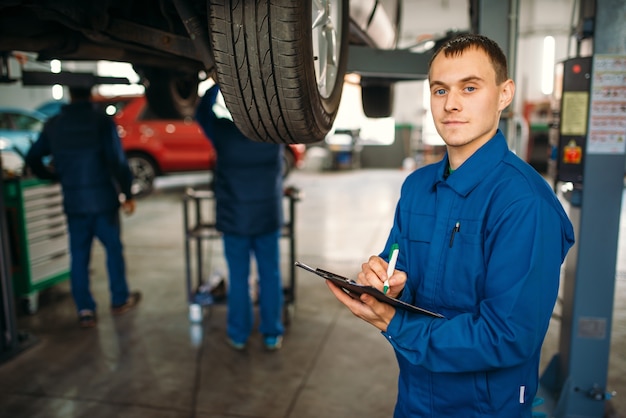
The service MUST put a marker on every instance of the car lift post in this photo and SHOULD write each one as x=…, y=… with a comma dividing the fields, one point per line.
x=9, y=343
x=577, y=375
x=12, y=340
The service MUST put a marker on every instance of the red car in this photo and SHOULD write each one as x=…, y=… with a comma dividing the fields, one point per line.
x=156, y=147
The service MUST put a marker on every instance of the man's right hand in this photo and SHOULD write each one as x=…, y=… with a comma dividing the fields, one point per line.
x=374, y=273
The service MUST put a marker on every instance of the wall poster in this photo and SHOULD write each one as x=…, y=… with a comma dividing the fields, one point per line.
x=607, y=121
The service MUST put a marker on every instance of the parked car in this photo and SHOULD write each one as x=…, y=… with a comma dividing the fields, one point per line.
x=280, y=64
x=156, y=146
x=19, y=128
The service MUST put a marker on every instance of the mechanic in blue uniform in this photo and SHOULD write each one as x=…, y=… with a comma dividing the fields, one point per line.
x=248, y=189
x=88, y=160
x=482, y=238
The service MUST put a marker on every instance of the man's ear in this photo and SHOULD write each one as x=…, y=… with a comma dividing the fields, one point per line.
x=507, y=91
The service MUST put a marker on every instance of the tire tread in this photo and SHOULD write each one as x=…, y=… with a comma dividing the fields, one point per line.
x=260, y=50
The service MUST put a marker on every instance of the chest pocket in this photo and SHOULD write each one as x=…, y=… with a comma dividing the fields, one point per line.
x=420, y=228
x=419, y=235
x=462, y=270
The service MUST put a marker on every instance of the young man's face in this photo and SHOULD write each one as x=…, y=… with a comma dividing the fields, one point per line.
x=466, y=102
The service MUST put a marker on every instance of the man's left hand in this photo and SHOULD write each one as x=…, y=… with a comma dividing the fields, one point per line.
x=367, y=307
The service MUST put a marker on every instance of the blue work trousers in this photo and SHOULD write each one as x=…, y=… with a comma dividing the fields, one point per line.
x=266, y=250
x=83, y=228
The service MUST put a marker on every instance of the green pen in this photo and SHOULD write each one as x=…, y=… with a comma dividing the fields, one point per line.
x=393, y=257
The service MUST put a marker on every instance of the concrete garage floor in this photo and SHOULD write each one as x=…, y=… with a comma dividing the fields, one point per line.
x=153, y=362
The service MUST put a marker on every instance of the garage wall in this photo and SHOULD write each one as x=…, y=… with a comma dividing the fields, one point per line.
x=550, y=18
x=16, y=95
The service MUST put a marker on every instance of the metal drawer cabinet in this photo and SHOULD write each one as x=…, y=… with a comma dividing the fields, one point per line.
x=37, y=238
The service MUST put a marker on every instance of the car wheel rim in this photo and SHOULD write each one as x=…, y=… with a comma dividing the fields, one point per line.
x=326, y=33
x=143, y=175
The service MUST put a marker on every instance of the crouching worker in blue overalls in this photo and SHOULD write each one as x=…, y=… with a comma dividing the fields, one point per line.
x=248, y=204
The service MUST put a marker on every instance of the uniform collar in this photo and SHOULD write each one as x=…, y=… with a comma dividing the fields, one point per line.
x=466, y=177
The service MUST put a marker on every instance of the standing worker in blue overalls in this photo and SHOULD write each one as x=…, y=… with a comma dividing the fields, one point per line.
x=89, y=162
x=248, y=190
x=481, y=238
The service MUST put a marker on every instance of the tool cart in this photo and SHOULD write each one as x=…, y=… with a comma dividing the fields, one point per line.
x=200, y=234
x=37, y=238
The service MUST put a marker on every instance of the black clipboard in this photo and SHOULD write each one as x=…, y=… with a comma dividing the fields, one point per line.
x=351, y=288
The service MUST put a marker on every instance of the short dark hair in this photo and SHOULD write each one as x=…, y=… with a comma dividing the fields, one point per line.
x=80, y=93
x=461, y=43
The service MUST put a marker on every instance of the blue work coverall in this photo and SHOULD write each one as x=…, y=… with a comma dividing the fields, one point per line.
x=483, y=247
x=248, y=189
x=89, y=162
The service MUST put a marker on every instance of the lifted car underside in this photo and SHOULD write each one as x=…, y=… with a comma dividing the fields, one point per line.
x=262, y=53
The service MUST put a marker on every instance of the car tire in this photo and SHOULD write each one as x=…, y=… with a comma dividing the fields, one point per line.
x=281, y=76
x=144, y=171
x=170, y=94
